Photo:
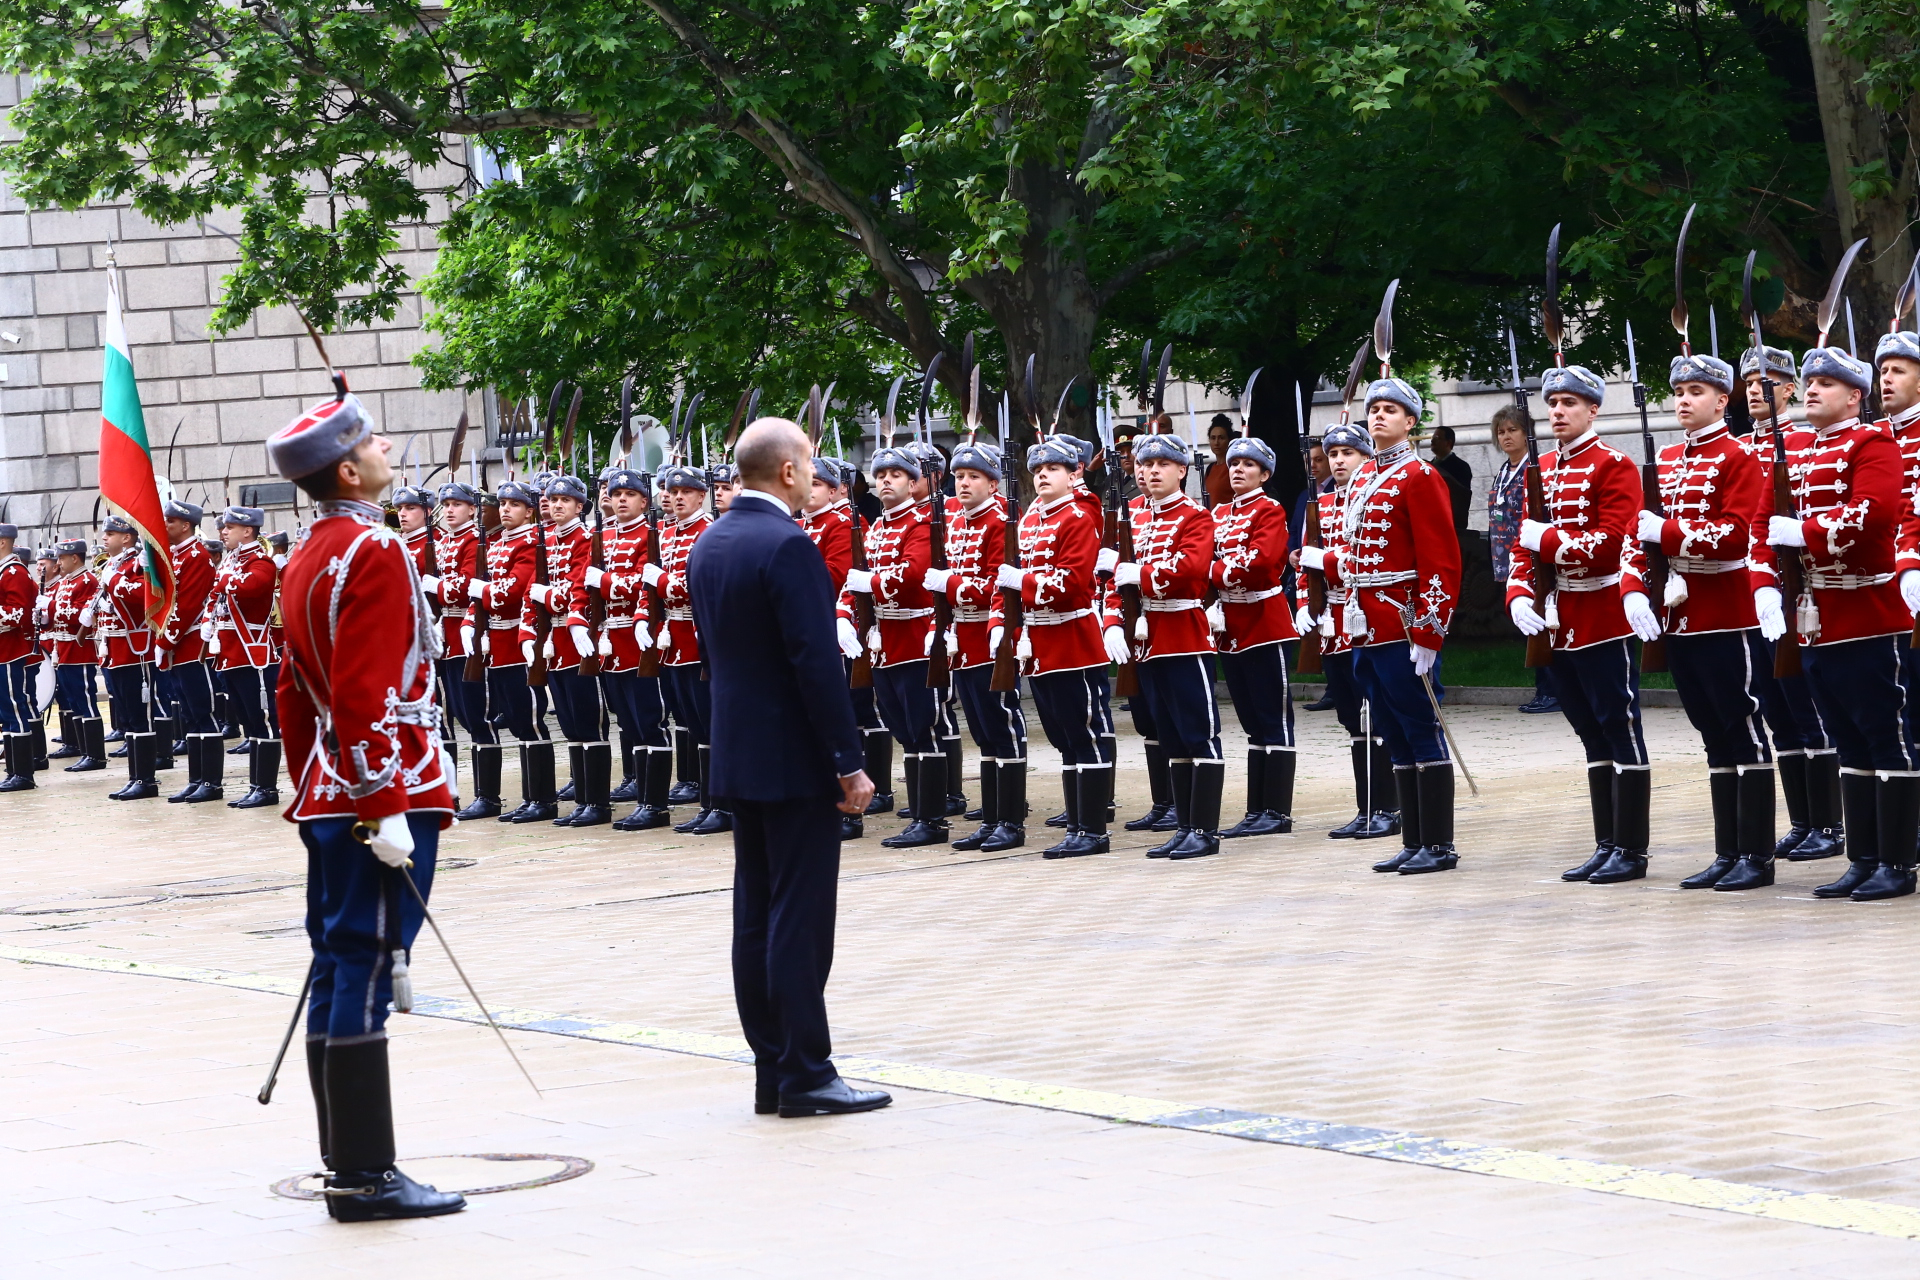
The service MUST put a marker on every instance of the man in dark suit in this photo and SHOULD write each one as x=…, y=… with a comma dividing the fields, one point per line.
x=788, y=755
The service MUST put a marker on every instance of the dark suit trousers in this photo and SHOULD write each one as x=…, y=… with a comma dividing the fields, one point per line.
x=786, y=878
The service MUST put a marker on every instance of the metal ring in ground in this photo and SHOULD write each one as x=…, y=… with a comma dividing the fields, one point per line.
x=572, y=1167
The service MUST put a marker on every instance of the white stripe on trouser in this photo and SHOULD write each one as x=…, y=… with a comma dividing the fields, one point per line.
x=1016, y=724
x=1756, y=737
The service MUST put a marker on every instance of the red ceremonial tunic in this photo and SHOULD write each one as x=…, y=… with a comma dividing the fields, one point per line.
x=1173, y=545
x=1905, y=428
x=510, y=567
x=625, y=591
x=1848, y=486
x=682, y=647
x=17, y=596
x=976, y=547
x=72, y=639
x=1710, y=486
x=899, y=553
x=1763, y=561
x=1399, y=556
x=1059, y=542
x=569, y=553
x=831, y=528
x=1593, y=503
x=417, y=542
x=456, y=554
x=182, y=639
x=122, y=611
x=1249, y=557
x=243, y=608
x=356, y=686
x=1333, y=541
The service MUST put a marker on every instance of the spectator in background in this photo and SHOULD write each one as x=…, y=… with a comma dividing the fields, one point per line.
x=1458, y=474
x=1219, y=435
x=1506, y=508
x=865, y=501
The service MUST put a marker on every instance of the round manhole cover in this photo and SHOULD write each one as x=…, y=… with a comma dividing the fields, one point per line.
x=477, y=1175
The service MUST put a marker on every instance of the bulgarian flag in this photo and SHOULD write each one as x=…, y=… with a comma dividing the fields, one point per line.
x=126, y=462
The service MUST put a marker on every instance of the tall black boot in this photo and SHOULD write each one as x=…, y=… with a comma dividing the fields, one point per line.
x=1180, y=797
x=1723, y=792
x=263, y=776
x=163, y=730
x=317, y=1082
x=1434, y=781
x=526, y=785
x=195, y=774
x=39, y=732
x=1357, y=756
x=1385, y=819
x=878, y=744
x=1754, y=834
x=1860, y=807
x=1897, y=812
x=1281, y=763
x=1600, y=804
x=72, y=742
x=1826, y=837
x=654, y=767
x=576, y=779
x=686, y=787
x=1070, y=798
x=140, y=782
x=1793, y=789
x=1010, y=802
x=629, y=788
x=537, y=781
x=1092, y=796
x=989, y=807
x=714, y=819
x=365, y=1186
x=705, y=811
x=93, y=745
x=596, y=777
x=19, y=763
x=1406, y=783
x=955, y=771
x=927, y=790
x=210, y=749
x=1632, y=828
x=486, y=783
x=1159, y=788
x=1203, y=810
x=1256, y=795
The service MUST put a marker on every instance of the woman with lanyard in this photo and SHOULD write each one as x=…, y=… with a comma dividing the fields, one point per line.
x=1506, y=508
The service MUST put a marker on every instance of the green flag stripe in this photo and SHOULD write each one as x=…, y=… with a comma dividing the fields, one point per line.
x=120, y=400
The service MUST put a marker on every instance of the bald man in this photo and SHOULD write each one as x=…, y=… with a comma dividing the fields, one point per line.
x=787, y=756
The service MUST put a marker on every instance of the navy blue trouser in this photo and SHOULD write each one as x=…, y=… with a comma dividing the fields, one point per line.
x=1600, y=697
x=189, y=686
x=1910, y=680
x=73, y=689
x=1261, y=692
x=786, y=882
x=998, y=725
x=1862, y=703
x=690, y=700
x=132, y=697
x=1179, y=694
x=638, y=706
x=1714, y=674
x=1401, y=712
x=1343, y=686
x=511, y=704
x=1787, y=705
x=466, y=700
x=1076, y=714
x=358, y=912
x=250, y=698
x=909, y=709
x=865, y=713
x=576, y=704
x=16, y=696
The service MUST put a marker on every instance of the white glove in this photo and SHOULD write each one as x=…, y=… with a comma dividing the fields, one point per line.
x=1104, y=562
x=430, y=584
x=936, y=580
x=279, y=562
x=1313, y=558
x=1303, y=620
x=1910, y=590
x=860, y=580
x=642, y=636
x=1785, y=531
x=849, y=638
x=392, y=841
x=1010, y=577
x=1531, y=532
x=1423, y=658
x=526, y=652
x=651, y=573
x=86, y=614
x=605, y=648
x=581, y=637
x=1126, y=575
x=476, y=589
x=539, y=592
x=595, y=577
x=1766, y=605
x=1652, y=527
x=546, y=649
x=1216, y=617
x=466, y=640
x=1640, y=616
x=926, y=646
x=996, y=636
x=1526, y=617
x=206, y=629
x=1115, y=641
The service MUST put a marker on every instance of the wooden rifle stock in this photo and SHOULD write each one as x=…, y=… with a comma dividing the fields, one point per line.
x=1119, y=539
x=596, y=600
x=1316, y=580
x=542, y=619
x=939, y=674
x=1653, y=653
x=433, y=567
x=1539, y=647
x=649, y=664
x=1786, y=652
x=1006, y=661
x=476, y=670
x=861, y=677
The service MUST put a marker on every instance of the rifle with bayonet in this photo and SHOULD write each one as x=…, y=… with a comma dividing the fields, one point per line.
x=938, y=674
x=1118, y=529
x=1006, y=659
x=861, y=675
x=542, y=616
x=1315, y=580
x=1540, y=644
x=1653, y=653
x=1902, y=302
x=596, y=601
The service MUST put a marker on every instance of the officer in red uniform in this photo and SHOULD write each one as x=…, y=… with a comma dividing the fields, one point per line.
x=1399, y=563
x=182, y=674
x=244, y=650
x=373, y=790
x=17, y=595
x=121, y=622
x=1255, y=628
x=576, y=697
x=511, y=555
x=1063, y=647
x=1590, y=539
x=1710, y=492
x=976, y=548
x=1849, y=493
x=1897, y=364
x=899, y=553
x=687, y=695
x=634, y=699
x=1173, y=556
x=456, y=555
x=70, y=622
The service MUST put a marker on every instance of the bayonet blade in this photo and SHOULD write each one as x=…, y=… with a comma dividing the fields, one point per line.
x=1633, y=359
x=1299, y=416
x=1679, y=313
x=1383, y=326
x=674, y=434
x=1713, y=330
x=1551, y=322
x=1033, y=402
x=1853, y=342
x=1160, y=381
x=623, y=443
x=1246, y=400
x=1830, y=305
x=1513, y=359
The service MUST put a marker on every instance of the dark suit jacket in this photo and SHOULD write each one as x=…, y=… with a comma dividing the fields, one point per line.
x=783, y=725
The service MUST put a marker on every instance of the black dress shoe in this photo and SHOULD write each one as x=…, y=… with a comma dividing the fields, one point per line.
x=138, y=789
x=513, y=814
x=981, y=834
x=1007, y=835
x=1172, y=842
x=645, y=818
x=569, y=818
x=590, y=815
x=1539, y=706
x=1079, y=844
x=882, y=802
x=1379, y=824
x=1397, y=861
x=1146, y=821
x=683, y=793
x=685, y=828
x=1887, y=881
x=1058, y=820
x=204, y=793
x=386, y=1194
x=1198, y=844
x=243, y=748
x=565, y=793
x=1595, y=860
x=17, y=782
x=1348, y=829
x=1264, y=823
x=257, y=798
x=765, y=1101
x=1856, y=874
x=1624, y=865
x=534, y=811
x=1430, y=858
x=1748, y=873
x=1787, y=843
x=628, y=790
x=1323, y=703
x=1816, y=844
x=916, y=834
x=852, y=827
x=85, y=764
x=479, y=807
x=957, y=807
x=712, y=823
x=975, y=815
x=836, y=1099
x=1707, y=878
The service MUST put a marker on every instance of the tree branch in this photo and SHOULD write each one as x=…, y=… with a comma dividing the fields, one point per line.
x=520, y=118
x=1140, y=266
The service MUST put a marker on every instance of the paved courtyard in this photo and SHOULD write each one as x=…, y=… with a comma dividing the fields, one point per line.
x=1618, y=1059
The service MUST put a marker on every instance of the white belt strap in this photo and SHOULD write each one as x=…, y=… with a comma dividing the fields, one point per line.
x=1051, y=618
x=1381, y=579
x=1249, y=597
x=681, y=613
x=1829, y=581
x=1696, y=565
x=892, y=613
x=1171, y=606
x=1580, y=585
